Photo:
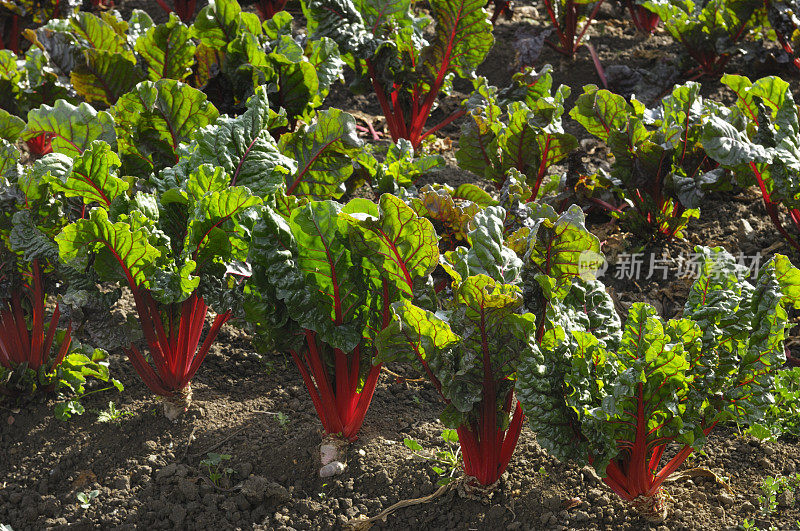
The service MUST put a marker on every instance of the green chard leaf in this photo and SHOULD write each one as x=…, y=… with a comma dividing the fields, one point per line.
x=91, y=176
x=122, y=252
x=327, y=153
x=11, y=127
x=243, y=146
x=71, y=128
x=463, y=38
x=487, y=253
x=558, y=248
x=154, y=118
x=617, y=402
x=168, y=50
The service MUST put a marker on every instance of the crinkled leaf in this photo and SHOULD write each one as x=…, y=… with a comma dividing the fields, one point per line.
x=154, y=118
x=326, y=153
x=557, y=246
x=71, y=128
x=243, y=146
x=120, y=251
x=487, y=253
x=168, y=50
x=92, y=176
x=11, y=127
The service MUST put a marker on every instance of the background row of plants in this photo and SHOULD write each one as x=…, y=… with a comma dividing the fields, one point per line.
x=711, y=32
x=193, y=167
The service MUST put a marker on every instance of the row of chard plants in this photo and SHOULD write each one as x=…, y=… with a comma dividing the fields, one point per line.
x=206, y=218
x=711, y=32
x=667, y=158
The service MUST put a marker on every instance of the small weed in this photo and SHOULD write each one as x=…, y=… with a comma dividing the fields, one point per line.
x=112, y=414
x=216, y=469
x=444, y=462
x=772, y=487
x=85, y=498
x=283, y=420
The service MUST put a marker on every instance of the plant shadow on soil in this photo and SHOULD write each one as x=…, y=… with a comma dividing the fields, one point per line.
x=149, y=474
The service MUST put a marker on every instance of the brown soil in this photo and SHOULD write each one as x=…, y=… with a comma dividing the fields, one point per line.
x=149, y=474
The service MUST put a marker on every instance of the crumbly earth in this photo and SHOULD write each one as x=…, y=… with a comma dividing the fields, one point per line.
x=149, y=473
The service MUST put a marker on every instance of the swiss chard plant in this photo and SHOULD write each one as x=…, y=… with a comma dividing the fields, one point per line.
x=388, y=49
x=178, y=250
x=469, y=349
x=660, y=169
x=784, y=17
x=565, y=17
x=35, y=354
x=247, y=54
x=226, y=53
x=759, y=141
x=335, y=270
x=709, y=31
x=616, y=397
x=525, y=135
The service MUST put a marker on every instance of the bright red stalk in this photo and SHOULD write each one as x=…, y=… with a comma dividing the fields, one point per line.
x=176, y=350
x=183, y=8
x=24, y=338
x=635, y=473
x=643, y=19
x=339, y=404
x=486, y=448
x=40, y=145
x=772, y=209
x=268, y=8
